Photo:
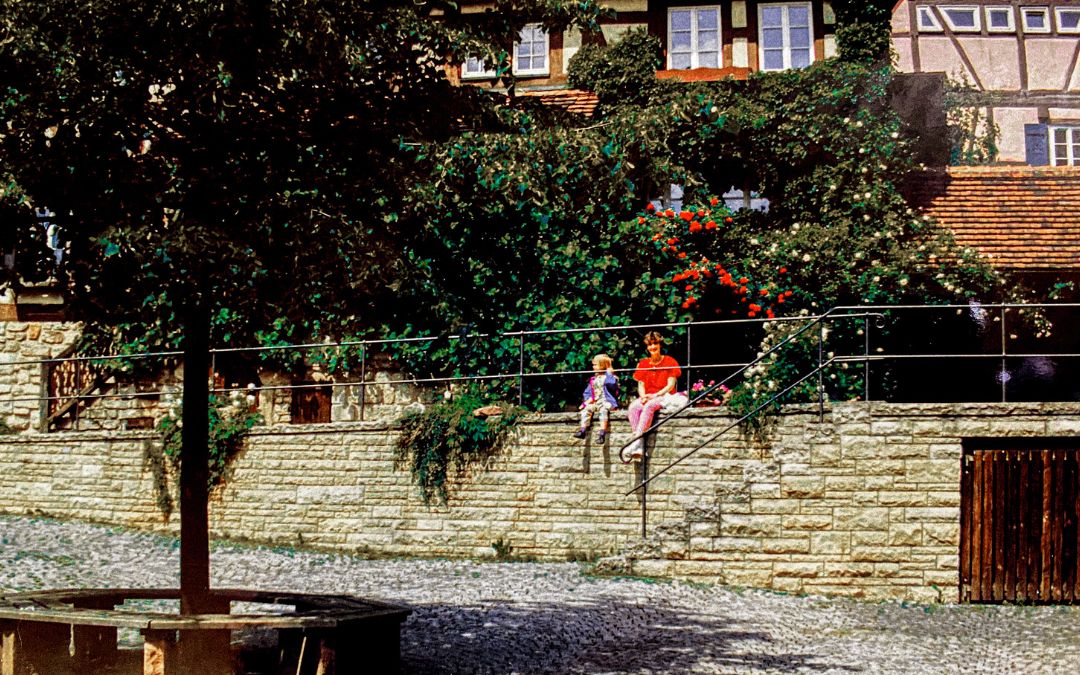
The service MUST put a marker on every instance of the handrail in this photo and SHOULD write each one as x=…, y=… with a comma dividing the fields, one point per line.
x=734, y=424
x=816, y=321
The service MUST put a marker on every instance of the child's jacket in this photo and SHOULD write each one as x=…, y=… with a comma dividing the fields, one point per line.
x=610, y=390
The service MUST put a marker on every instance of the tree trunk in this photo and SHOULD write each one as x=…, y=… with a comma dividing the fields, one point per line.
x=194, y=517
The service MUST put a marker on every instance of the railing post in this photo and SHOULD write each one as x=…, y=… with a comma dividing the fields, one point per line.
x=521, y=368
x=644, y=488
x=78, y=392
x=866, y=356
x=363, y=378
x=820, y=371
x=689, y=366
x=1003, y=374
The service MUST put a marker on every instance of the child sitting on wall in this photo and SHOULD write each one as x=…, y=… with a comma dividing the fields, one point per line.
x=600, y=398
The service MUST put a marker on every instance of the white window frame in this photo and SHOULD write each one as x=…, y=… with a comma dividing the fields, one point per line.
x=695, y=54
x=1058, y=11
x=927, y=20
x=1025, y=12
x=474, y=69
x=1072, y=139
x=786, y=30
x=1007, y=10
x=973, y=10
x=536, y=29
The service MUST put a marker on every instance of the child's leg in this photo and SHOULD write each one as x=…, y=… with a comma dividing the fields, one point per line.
x=605, y=415
x=586, y=415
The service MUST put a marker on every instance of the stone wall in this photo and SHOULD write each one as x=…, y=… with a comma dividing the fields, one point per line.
x=865, y=503
x=21, y=344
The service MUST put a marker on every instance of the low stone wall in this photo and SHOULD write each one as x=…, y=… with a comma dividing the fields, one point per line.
x=865, y=503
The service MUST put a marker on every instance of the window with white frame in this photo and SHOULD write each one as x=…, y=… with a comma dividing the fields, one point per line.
x=693, y=37
x=531, y=51
x=530, y=56
x=1000, y=19
x=962, y=18
x=1065, y=146
x=474, y=67
x=1035, y=19
x=786, y=38
x=927, y=20
x=1068, y=19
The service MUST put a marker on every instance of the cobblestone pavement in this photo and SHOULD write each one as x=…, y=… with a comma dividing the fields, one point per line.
x=480, y=617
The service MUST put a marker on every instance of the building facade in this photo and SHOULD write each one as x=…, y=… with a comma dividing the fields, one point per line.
x=1019, y=61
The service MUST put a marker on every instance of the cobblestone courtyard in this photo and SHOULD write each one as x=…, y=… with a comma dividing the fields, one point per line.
x=473, y=617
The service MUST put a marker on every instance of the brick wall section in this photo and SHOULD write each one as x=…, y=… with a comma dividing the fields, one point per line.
x=864, y=504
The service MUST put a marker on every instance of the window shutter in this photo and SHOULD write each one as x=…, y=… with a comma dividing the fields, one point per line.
x=1037, y=143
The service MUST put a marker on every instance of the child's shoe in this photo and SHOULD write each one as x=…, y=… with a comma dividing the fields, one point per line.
x=581, y=433
x=601, y=437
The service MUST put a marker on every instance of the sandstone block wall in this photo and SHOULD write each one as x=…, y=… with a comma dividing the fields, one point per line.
x=865, y=503
x=21, y=343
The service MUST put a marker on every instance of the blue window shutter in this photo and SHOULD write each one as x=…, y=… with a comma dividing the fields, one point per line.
x=1037, y=143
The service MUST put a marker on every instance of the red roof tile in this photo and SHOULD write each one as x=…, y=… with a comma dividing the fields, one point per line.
x=572, y=100
x=1020, y=218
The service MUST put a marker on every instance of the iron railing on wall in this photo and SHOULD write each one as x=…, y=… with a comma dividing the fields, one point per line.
x=1001, y=356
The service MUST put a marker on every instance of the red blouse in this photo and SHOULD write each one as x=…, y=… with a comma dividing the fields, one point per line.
x=656, y=377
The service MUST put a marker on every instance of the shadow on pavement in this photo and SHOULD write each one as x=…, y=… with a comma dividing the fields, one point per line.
x=587, y=637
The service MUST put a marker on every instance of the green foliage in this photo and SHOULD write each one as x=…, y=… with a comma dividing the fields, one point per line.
x=623, y=72
x=449, y=435
x=230, y=421
x=863, y=31
x=972, y=134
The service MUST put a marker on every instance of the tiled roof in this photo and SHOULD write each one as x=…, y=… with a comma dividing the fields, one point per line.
x=573, y=100
x=1020, y=218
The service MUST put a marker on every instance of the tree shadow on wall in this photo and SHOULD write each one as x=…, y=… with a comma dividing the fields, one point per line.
x=586, y=637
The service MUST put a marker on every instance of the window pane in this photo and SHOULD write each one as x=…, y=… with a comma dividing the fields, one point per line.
x=1061, y=136
x=771, y=16
x=707, y=42
x=772, y=38
x=961, y=18
x=800, y=58
x=1034, y=20
x=1068, y=20
x=706, y=19
x=800, y=37
x=998, y=18
x=709, y=60
x=680, y=19
x=680, y=61
x=799, y=15
x=774, y=59
x=680, y=41
x=926, y=17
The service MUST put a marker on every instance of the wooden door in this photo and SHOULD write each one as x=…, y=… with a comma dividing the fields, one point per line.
x=1019, y=506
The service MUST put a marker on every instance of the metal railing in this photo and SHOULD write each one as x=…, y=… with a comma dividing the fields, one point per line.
x=995, y=321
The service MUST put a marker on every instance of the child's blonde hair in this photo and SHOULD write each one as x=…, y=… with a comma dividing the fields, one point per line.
x=602, y=361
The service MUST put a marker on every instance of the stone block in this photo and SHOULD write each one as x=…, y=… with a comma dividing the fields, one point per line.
x=932, y=471
x=862, y=538
x=804, y=570
x=786, y=545
x=905, y=534
x=850, y=570
x=807, y=487
x=755, y=525
x=807, y=522
x=830, y=543
x=926, y=514
x=870, y=518
x=878, y=554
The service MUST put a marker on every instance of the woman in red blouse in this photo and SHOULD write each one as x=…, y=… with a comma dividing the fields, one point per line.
x=656, y=376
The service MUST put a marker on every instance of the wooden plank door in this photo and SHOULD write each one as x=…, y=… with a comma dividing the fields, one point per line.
x=1019, y=508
